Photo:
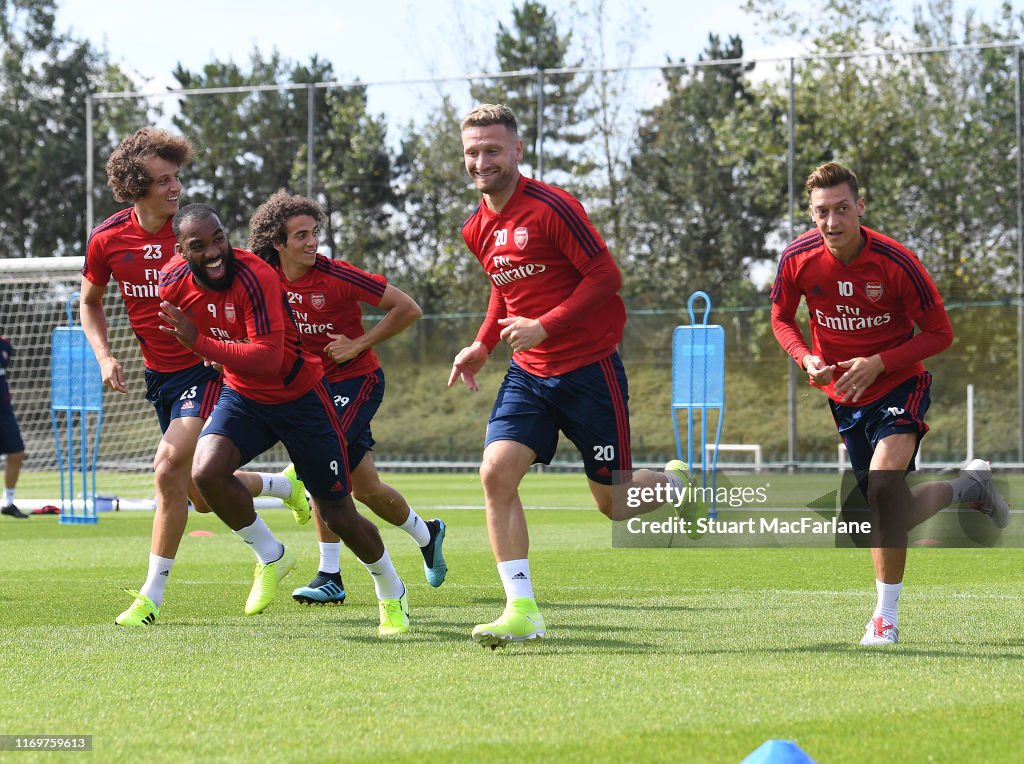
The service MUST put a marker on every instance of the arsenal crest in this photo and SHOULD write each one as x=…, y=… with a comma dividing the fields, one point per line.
x=520, y=236
x=229, y=311
x=317, y=300
x=873, y=289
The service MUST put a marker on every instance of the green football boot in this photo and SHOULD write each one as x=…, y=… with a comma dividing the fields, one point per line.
x=265, y=581
x=142, y=612
x=394, y=616
x=297, y=502
x=520, y=622
x=693, y=509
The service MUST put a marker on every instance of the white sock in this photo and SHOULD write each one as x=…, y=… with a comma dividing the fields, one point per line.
x=156, y=579
x=385, y=578
x=888, y=598
x=515, y=577
x=9, y=497
x=330, y=557
x=266, y=546
x=416, y=528
x=275, y=484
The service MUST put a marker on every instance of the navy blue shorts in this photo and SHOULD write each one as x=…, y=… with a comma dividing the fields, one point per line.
x=356, y=400
x=10, y=433
x=308, y=427
x=189, y=392
x=902, y=410
x=588, y=404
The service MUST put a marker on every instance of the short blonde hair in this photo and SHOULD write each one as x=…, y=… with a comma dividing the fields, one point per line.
x=487, y=114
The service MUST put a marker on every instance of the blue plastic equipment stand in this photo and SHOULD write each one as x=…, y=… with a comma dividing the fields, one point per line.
x=76, y=391
x=698, y=384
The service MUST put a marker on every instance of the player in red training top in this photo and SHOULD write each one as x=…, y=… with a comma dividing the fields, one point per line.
x=11, y=443
x=324, y=296
x=229, y=307
x=554, y=300
x=132, y=246
x=865, y=293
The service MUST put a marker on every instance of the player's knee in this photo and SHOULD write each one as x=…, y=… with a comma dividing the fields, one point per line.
x=496, y=478
x=339, y=515
x=17, y=458
x=367, y=490
x=168, y=470
x=198, y=502
x=208, y=476
x=887, y=489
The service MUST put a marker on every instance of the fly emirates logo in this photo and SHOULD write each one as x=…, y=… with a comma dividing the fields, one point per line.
x=849, y=318
x=297, y=301
x=151, y=287
x=507, y=273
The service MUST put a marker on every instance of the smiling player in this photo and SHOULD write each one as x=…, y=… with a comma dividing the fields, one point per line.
x=325, y=296
x=554, y=300
x=228, y=306
x=131, y=246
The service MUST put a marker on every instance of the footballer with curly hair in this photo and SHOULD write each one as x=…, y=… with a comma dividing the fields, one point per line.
x=131, y=246
x=325, y=297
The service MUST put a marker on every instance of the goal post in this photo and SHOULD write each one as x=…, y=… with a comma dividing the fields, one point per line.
x=34, y=295
x=754, y=449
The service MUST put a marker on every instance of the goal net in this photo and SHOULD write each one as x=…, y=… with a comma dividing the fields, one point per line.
x=36, y=295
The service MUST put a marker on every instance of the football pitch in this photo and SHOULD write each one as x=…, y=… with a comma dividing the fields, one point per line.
x=652, y=654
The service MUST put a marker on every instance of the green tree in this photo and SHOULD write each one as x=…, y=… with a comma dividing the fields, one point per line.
x=924, y=132
x=696, y=219
x=253, y=139
x=246, y=140
x=548, y=106
x=355, y=177
x=607, y=101
x=961, y=198
x=436, y=199
x=45, y=77
x=113, y=119
x=316, y=71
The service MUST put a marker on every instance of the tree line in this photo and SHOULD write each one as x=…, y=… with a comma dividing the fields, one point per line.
x=691, y=192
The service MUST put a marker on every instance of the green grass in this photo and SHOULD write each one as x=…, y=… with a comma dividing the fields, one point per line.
x=653, y=655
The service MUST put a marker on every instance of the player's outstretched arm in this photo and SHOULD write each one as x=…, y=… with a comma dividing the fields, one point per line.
x=94, y=323
x=467, y=363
